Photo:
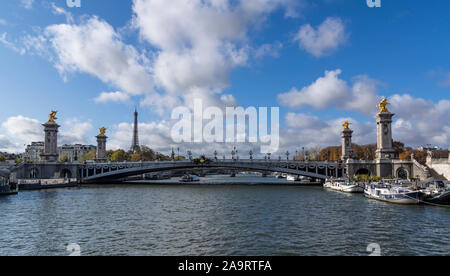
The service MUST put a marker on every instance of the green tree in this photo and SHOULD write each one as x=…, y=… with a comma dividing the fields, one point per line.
x=120, y=156
x=136, y=157
x=2, y=158
x=63, y=158
x=147, y=154
x=19, y=161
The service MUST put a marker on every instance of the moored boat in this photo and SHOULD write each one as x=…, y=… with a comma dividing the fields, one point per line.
x=393, y=194
x=187, y=178
x=5, y=187
x=436, y=192
x=343, y=185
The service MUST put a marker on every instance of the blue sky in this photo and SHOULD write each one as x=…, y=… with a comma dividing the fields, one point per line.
x=399, y=51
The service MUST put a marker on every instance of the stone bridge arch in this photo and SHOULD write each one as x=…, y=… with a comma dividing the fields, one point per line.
x=116, y=171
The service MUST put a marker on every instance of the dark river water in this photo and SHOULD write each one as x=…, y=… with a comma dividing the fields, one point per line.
x=216, y=220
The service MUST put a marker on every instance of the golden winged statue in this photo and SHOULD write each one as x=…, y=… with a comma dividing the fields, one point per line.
x=102, y=131
x=382, y=106
x=52, y=117
x=346, y=125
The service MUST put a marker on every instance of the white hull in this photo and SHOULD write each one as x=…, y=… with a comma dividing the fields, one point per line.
x=343, y=187
x=397, y=195
x=405, y=201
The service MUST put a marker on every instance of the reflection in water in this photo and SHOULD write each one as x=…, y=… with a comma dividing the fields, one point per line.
x=216, y=220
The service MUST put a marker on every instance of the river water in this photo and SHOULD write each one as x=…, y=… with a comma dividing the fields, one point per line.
x=216, y=220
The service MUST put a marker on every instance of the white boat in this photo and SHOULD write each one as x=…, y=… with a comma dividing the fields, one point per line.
x=290, y=177
x=343, y=185
x=189, y=178
x=393, y=194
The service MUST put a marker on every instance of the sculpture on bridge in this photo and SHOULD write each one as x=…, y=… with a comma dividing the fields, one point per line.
x=52, y=117
x=346, y=125
x=382, y=106
x=102, y=131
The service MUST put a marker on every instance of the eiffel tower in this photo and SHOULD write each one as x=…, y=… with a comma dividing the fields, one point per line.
x=135, y=142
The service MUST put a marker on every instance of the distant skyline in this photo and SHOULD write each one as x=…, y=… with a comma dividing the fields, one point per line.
x=321, y=62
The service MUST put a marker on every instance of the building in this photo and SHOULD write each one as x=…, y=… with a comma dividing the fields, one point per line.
x=75, y=152
x=33, y=152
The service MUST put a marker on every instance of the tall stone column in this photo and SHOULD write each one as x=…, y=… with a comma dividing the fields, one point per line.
x=385, y=144
x=101, y=146
x=347, y=149
x=386, y=152
x=50, y=153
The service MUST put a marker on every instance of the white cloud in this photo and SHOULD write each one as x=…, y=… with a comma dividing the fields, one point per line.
x=161, y=104
x=27, y=4
x=2, y=21
x=11, y=45
x=199, y=42
x=74, y=131
x=325, y=39
x=310, y=131
x=325, y=91
x=118, y=96
x=272, y=50
x=193, y=45
x=419, y=122
x=331, y=91
x=60, y=11
x=95, y=48
x=23, y=128
x=21, y=131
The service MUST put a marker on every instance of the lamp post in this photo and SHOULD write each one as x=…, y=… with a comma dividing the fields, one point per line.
x=251, y=155
x=215, y=155
x=287, y=155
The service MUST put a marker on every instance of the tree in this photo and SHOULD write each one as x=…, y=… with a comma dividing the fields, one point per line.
x=147, y=154
x=63, y=159
x=136, y=157
x=109, y=154
x=120, y=156
x=91, y=155
x=2, y=158
x=19, y=160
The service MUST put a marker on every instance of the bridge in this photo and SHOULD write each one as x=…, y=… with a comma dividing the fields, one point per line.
x=104, y=172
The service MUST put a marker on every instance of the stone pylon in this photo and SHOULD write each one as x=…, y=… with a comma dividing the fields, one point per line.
x=347, y=149
x=386, y=153
x=50, y=153
x=385, y=144
x=101, y=146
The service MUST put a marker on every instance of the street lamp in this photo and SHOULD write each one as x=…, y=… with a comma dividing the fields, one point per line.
x=287, y=155
x=251, y=155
